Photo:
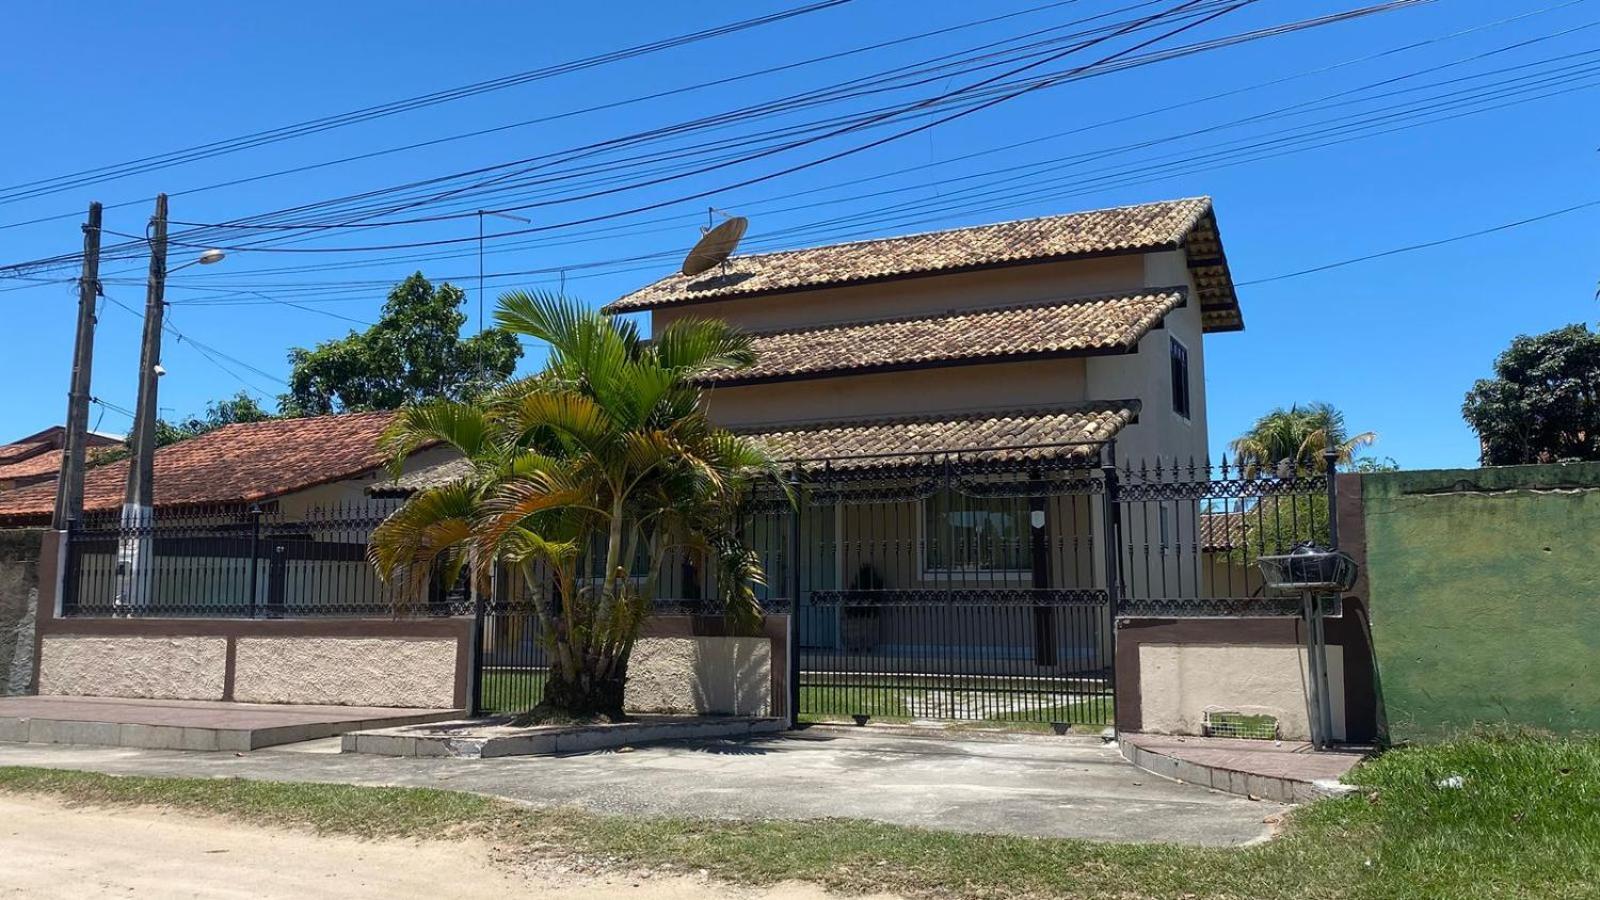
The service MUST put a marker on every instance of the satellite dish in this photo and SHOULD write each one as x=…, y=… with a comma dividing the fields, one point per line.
x=715, y=246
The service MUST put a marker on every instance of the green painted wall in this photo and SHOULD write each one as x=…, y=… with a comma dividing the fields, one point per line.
x=1485, y=596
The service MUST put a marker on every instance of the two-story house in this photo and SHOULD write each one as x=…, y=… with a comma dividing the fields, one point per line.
x=1030, y=343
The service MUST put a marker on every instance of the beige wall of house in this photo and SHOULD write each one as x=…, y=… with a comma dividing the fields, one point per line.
x=910, y=296
x=979, y=388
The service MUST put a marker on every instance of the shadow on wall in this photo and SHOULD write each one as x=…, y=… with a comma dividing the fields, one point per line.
x=19, y=606
x=700, y=675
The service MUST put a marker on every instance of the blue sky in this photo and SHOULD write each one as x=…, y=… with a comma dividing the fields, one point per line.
x=1395, y=342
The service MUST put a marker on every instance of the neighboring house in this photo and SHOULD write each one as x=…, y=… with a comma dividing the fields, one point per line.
x=36, y=459
x=1039, y=339
x=291, y=493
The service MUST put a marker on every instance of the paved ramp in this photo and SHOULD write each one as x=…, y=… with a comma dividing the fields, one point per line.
x=189, y=724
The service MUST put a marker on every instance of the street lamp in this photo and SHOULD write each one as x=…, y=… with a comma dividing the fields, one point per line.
x=207, y=258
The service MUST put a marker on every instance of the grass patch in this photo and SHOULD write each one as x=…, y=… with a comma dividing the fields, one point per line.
x=511, y=691
x=1525, y=823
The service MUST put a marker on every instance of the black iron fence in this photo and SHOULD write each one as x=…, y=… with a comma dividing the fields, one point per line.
x=949, y=586
x=263, y=561
x=1189, y=534
x=981, y=585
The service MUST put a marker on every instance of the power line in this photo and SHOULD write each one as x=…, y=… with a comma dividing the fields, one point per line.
x=211, y=149
x=1004, y=97
x=1409, y=248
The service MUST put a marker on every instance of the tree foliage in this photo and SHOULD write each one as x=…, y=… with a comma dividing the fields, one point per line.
x=241, y=407
x=1296, y=437
x=1543, y=403
x=605, y=457
x=415, y=352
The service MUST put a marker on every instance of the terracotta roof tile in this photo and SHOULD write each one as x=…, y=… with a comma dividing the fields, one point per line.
x=425, y=477
x=10, y=453
x=1170, y=224
x=988, y=436
x=34, y=467
x=234, y=464
x=1106, y=323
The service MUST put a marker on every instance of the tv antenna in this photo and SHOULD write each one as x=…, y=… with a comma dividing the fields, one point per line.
x=716, y=244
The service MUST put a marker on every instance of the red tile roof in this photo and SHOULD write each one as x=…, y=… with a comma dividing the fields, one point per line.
x=10, y=453
x=234, y=464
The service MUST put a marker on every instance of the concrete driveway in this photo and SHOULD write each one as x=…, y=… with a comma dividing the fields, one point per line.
x=1035, y=786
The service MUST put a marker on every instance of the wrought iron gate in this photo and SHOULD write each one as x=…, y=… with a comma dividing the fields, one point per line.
x=965, y=586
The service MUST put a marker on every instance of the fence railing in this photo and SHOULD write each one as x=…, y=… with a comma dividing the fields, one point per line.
x=258, y=562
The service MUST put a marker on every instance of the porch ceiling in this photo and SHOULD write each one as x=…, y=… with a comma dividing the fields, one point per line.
x=1036, y=433
x=1109, y=323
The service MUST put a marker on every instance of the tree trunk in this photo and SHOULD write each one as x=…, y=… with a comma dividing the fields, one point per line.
x=587, y=697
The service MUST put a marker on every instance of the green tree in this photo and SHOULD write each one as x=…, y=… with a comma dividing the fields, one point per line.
x=1543, y=403
x=607, y=455
x=241, y=407
x=1296, y=436
x=415, y=352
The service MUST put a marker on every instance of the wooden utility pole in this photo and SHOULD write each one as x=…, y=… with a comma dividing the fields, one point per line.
x=140, y=472
x=69, y=490
x=133, y=562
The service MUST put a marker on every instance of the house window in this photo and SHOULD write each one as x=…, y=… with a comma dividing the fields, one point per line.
x=1180, y=379
x=976, y=534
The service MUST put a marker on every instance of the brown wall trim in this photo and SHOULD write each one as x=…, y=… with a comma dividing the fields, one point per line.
x=417, y=629
x=230, y=665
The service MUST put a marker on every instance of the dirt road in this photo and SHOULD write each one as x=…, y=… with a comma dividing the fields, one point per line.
x=48, y=850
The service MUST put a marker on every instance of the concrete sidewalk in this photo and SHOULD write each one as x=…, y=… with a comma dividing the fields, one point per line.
x=1035, y=786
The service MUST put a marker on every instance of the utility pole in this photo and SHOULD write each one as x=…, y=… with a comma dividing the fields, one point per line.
x=69, y=490
x=133, y=564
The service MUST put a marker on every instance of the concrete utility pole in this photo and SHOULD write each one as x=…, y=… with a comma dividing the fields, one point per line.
x=133, y=563
x=69, y=490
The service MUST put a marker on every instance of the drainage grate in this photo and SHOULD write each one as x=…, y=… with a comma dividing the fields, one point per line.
x=1224, y=723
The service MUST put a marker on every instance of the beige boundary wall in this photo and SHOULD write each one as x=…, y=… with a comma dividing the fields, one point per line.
x=1179, y=683
x=701, y=676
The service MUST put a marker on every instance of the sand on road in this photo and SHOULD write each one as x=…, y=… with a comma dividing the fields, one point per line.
x=48, y=850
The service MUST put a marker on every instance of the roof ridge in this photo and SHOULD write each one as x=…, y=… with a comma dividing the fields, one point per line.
x=940, y=416
x=1077, y=300
x=910, y=235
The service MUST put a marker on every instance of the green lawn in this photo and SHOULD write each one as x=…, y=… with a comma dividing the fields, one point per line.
x=979, y=700
x=511, y=691
x=1524, y=823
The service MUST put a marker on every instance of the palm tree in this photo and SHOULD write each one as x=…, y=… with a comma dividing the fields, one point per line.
x=605, y=455
x=1295, y=438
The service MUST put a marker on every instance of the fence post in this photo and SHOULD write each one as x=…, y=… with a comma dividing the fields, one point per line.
x=1111, y=516
x=793, y=686
x=475, y=647
x=255, y=553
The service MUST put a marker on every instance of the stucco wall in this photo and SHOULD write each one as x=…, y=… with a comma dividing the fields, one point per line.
x=706, y=675
x=345, y=671
x=1485, y=596
x=990, y=387
x=909, y=296
x=165, y=668
x=19, y=603
x=1179, y=682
